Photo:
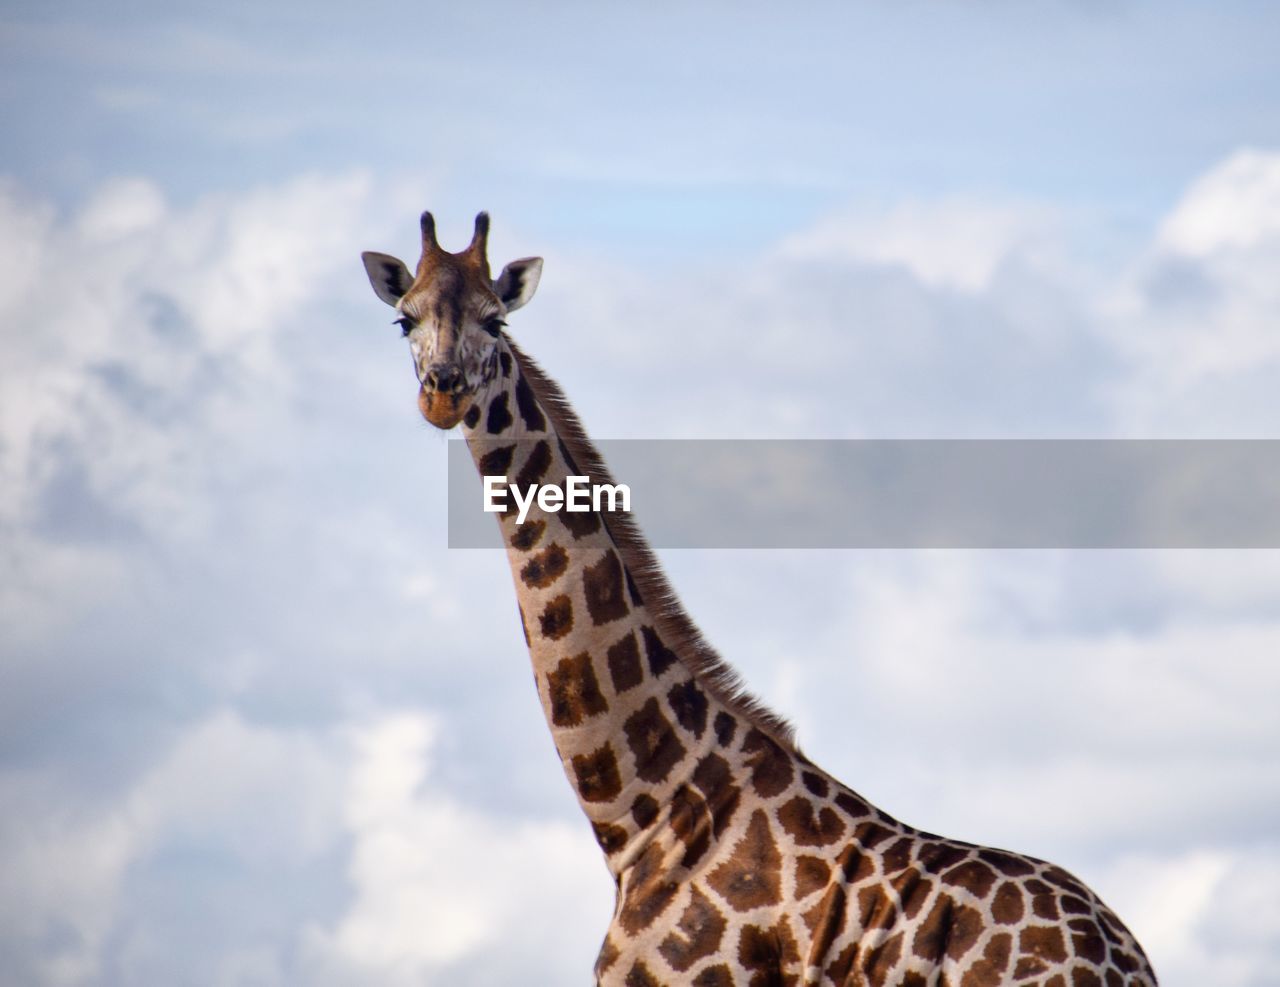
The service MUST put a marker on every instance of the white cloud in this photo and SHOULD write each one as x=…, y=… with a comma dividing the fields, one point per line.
x=1234, y=206
x=957, y=244
x=134, y=315
x=1194, y=317
x=266, y=794
x=121, y=207
x=441, y=891
x=446, y=894
x=59, y=876
x=1206, y=915
x=261, y=796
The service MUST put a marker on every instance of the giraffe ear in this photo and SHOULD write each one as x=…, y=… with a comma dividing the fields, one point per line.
x=388, y=275
x=518, y=281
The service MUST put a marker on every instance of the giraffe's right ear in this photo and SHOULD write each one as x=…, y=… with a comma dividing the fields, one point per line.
x=388, y=275
x=518, y=281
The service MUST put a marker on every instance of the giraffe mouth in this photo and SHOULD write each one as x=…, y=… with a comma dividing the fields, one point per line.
x=442, y=410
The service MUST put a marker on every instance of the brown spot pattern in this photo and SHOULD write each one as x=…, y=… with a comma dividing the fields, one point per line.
x=767, y=953
x=771, y=767
x=966, y=927
x=649, y=892
x=546, y=567
x=696, y=936
x=527, y=405
x=691, y=822
x=653, y=742
x=930, y=940
x=1058, y=876
x=597, y=774
x=1044, y=942
x=913, y=891
x=870, y=834
x=974, y=876
x=855, y=866
x=644, y=810
x=557, y=618
x=499, y=416
x=527, y=535
x=1007, y=863
x=497, y=461
x=840, y=967
x=807, y=827
x=535, y=467
x=639, y=976
x=714, y=976
x=624, y=663
x=1007, y=907
x=852, y=804
x=1087, y=940
x=580, y=523
x=875, y=909
x=936, y=857
x=611, y=838
x=752, y=874
x=608, y=956
x=660, y=657
x=897, y=856
x=725, y=727
x=880, y=961
x=602, y=587
x=812, y=874
x=988, y=971
x=689, y=704
x=713, y=777
x=574, y=692
x=1045, y=906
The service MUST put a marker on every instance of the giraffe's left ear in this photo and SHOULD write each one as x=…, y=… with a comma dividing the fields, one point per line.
x=518, y=281
x=388, y=275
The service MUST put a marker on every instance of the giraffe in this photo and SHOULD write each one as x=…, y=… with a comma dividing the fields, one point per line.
x=736, y=859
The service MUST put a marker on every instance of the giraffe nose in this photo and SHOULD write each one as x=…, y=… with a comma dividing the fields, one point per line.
x=445, y=377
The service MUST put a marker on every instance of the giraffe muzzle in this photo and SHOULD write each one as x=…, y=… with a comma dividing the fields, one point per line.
x=440, y=396
x=446, y=378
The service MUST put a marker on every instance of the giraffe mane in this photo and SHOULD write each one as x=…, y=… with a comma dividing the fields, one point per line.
x=720, y=679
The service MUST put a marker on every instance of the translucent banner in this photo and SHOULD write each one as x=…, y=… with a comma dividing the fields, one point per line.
x=925, y=493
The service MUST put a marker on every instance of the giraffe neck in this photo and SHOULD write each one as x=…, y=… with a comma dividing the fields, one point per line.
x=737, y=859
x=641, y=711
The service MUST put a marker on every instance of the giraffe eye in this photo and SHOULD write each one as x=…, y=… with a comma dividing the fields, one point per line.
x=406, y=325
x=493, y=326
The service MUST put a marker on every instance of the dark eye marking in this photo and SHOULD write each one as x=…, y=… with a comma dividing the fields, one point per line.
x=406, y=324
x=493, y=326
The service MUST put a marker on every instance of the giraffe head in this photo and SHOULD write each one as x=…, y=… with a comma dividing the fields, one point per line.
x=452, y=313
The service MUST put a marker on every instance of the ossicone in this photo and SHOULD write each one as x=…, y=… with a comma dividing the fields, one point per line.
x=429, y=242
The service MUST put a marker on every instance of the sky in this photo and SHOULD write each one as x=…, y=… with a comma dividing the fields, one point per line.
x=259, y=726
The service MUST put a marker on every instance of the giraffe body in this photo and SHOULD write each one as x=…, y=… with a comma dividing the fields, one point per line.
x=737, y=861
